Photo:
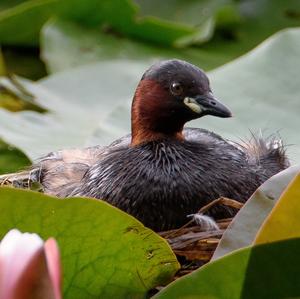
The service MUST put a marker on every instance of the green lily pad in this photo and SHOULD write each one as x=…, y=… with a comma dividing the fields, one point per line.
x=261, y=89
x=257, y=21
x=192, y=12
x=66, y=45
x=263, y=272
x=105, y=252
x=88, y=44
x=243, y=229
x=284, y=220
x=196, y=15
x=9, y=3
x=31, y=15
x=240, y=27
x=71, y=120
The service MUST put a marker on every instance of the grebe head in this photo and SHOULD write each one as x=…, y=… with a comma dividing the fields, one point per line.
x=171, y=93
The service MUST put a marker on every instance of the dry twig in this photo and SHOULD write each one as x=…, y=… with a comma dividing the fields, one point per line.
x=193, y=246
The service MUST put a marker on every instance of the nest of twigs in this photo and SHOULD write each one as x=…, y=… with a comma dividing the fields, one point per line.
x=193, y=246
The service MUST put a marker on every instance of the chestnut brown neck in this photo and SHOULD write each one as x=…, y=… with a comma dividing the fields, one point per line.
x=151, y=116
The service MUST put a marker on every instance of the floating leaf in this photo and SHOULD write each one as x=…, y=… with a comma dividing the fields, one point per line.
x=31, y=15
x=284, y=220
x=240, y=27
x=76, y=108
x=244, y=227
x=260, y=95
x=5, y=4
x=66, y=45
x=254, y=272
x=191, y=13
x=105, y=252
x=257, y=20
x=199, y=15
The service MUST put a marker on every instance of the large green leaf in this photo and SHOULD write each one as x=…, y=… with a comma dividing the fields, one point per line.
x=258, y=20
x=262, y=90
x=196, y=14
x=241, y=26
x=284, y=220
x=4, y=4
x=105, y=252
x=262, y=272
x=192, y=12
x=91, y=105
x=246, y=224
x=31, y=15
x=77, y=108
x=65, y=45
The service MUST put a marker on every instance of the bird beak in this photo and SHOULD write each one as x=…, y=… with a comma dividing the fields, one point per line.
x=207, y=104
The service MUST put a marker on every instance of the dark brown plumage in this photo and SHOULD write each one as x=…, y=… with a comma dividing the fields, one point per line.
x=162, y=172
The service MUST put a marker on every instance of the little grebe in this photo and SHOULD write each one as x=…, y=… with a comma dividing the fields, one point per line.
x=161, y=172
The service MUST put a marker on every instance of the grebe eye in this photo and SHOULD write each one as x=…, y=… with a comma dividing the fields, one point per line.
x=176, y=88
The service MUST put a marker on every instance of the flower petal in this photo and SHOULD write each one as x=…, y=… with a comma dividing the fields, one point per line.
x=24, y=272
x=54, y=265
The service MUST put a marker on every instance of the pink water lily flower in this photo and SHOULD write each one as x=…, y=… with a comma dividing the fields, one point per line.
x=29, y=267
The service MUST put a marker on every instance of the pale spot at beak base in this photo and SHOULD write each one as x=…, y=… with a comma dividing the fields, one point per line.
x=192, y=104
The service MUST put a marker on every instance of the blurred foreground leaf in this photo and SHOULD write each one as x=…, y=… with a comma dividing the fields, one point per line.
x=262, y=272
x=284, y=220
x=246, y=224
x=105, y=252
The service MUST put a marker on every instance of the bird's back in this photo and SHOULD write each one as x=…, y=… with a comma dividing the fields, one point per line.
x=161, y=182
